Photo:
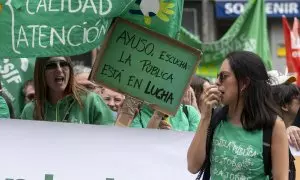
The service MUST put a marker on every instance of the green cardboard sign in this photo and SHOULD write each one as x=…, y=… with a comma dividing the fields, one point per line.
x=33, y=28
x=145, y=65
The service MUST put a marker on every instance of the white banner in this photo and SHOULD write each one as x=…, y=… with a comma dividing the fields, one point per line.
x=31, y=149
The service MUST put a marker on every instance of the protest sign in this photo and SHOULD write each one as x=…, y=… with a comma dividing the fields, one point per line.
x=35, y=150
x=249, y=32
x=145, y=65
x=13, y=74
x=32, y=28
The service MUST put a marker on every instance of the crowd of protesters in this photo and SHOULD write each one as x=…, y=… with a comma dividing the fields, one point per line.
x=245, y=97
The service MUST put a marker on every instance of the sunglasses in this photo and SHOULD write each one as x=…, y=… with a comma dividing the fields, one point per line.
x=222, y=76
x=55, y=64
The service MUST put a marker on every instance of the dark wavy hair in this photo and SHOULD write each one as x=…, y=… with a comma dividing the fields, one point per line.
x=260, y=110
x=283, y=94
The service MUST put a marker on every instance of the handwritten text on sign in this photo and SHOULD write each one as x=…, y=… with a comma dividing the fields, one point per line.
x=63, y=27
x=146, y=65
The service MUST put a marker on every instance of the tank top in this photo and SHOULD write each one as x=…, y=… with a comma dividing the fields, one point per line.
x=236, y=153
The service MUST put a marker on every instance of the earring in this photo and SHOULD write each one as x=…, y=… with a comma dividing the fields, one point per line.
x=242, y=91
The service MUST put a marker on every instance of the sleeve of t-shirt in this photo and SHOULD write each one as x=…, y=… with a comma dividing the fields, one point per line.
x=27, y=112
x=102, y=115
x=194, y=118
x=142, y=118
x=136, y=122
x=4, y=110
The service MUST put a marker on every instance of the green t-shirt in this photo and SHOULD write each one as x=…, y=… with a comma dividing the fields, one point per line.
x=236, y=153
x=4, y=110
x=94, y=110
x=179, y=122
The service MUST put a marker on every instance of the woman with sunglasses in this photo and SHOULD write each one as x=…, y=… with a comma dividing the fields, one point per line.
x=243, y=88
x=59, y=98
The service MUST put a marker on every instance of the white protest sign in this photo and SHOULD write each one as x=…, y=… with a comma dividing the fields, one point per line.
x=31, y=149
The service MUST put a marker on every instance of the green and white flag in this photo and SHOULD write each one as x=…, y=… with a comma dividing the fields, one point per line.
x=35, y=28
x=249, y=32
x=32, y=28
x=13, y=74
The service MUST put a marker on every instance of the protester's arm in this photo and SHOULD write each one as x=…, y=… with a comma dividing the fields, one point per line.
x=128, y=111
x=279, y=151
x=197, y=150
x=165, y=125
x=293, y=134
x=102, y=115
x=155, y=120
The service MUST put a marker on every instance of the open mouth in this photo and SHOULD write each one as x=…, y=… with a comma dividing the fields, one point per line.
x=59, y=79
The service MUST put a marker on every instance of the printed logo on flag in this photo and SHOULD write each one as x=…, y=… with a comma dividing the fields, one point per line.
x=150, y=9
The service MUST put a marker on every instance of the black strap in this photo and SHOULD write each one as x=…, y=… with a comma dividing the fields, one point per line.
x=218, y=115
x=292, y=168
x=267, y=159
x=185, y=110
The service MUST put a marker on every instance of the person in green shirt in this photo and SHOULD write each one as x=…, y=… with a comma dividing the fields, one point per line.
x=133, y=113
x=59, y=98
x=186, y=119
x=236, y=141
x=4, y=110
x=6, y=107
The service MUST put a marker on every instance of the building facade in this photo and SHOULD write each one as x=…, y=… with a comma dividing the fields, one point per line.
x=210, y=20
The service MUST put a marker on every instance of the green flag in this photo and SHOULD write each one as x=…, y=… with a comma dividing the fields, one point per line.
x=162, y=16
x=249, y=32
x=32, y=28
x=13, y=74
